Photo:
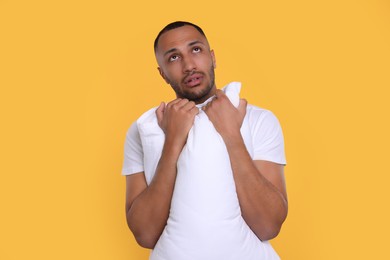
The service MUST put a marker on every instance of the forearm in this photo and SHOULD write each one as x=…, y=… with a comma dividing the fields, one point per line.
x=263, y=206
x=149, y=212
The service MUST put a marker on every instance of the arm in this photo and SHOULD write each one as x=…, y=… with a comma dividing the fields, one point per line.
x=147, y=207
x=260, y=184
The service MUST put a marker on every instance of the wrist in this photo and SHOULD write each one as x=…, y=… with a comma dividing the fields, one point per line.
x=232, y=139
x=173, y=145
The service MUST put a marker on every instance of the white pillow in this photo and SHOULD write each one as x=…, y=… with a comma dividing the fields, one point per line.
x=205, y=221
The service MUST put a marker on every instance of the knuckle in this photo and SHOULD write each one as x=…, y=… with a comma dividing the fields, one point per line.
x=224, y=98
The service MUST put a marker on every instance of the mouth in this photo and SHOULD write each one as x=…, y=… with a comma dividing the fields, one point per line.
x=193, y=80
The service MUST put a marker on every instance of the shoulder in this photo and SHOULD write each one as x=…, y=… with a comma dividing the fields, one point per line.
x=260, y=116
x=148, y=116
x=267, y=135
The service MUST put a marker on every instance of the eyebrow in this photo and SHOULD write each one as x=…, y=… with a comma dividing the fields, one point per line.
x=190, y=44
x=195, y=42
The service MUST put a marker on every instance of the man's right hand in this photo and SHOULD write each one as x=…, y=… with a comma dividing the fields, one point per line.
x=176, y=119
x=147, y=206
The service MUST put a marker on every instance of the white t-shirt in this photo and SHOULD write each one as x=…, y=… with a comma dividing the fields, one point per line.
x=205, y=219
x=267, y=141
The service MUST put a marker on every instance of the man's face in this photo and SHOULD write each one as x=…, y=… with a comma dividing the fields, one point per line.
x=186, y=63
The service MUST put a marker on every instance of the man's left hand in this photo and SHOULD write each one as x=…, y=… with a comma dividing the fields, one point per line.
x=226, y=118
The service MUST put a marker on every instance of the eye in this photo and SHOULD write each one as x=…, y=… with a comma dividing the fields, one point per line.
x=173, y=57
x=196, y=49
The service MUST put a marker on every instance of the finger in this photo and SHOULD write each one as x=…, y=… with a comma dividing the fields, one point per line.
x=205, y=110
x=189, y=105
x=219, y=93
x=182, y=102
x=194, y=110
x=160, y=111
x=242, y=106
x=206, y=106
x=173, y=102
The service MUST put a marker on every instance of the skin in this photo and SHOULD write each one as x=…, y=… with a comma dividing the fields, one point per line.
x=183, y=53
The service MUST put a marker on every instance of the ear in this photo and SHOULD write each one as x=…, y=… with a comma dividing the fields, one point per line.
x=213, y=58
x=163, y=75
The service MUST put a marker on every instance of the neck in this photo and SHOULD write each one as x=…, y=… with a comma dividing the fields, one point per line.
x=205, y=97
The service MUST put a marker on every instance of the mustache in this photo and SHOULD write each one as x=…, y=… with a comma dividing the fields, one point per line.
x=185, y=79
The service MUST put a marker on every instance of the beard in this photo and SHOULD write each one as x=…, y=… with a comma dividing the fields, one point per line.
x=198, y=96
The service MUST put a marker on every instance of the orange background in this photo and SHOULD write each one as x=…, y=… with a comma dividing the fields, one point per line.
x=75, y=74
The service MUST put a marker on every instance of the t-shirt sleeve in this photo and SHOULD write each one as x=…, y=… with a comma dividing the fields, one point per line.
x=268, y=138
x=133, y=153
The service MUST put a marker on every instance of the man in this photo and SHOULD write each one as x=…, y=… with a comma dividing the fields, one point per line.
x=187, y=63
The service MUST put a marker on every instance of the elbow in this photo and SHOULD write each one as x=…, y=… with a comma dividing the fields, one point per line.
x=271, y=229
x=269, y=233
x=144, y=238
x=146, y=241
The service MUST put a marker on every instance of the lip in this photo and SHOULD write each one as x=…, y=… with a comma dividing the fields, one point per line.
x=193, y=80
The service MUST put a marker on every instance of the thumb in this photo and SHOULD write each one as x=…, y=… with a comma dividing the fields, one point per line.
x=160, y=112
x=219, y=93
x=242, y=107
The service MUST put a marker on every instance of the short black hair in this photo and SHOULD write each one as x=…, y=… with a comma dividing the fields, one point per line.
x=175, y=25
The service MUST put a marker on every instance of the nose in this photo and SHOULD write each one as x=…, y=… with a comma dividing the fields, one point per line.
x=188, y=65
